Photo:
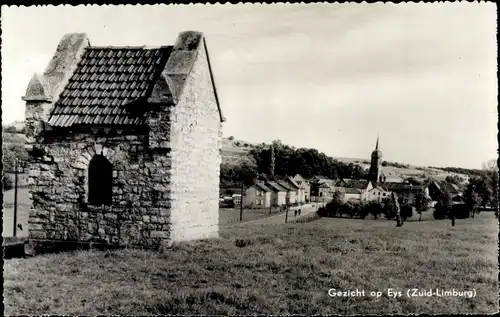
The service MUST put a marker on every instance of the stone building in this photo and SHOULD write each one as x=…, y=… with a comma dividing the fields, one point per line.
x=124, y=144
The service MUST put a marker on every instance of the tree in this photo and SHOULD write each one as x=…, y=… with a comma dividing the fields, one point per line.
x=406, y=211
x=374, y=208
x=351, y=209
x=442, y=209
x=10, y=153
x=388, y=208
x=490, y=165
x=422, y=202
x=453, y=179
x=7, y=182
x=472, y=199
x=397, y=210
x=273, y=162
x=9, y=129
x=231, y=138
x=337, y=199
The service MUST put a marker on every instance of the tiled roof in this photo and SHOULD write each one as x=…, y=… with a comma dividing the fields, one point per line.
x=349, y=190
x=284, y=184
x=449, y=187
x=324, y=185
x=262, y=187
x=105, y=82
x=401, y=187
x=292, y=182
x=275, y=187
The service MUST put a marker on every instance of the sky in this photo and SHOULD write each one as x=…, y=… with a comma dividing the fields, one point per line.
x=325, y=76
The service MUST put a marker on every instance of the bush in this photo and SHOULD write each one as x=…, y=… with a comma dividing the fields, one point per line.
x=362, y=212
x=374, y=208
x=439, y=212
x=322, y=212
x=461, y=211
x=388, y=208
x=7, y=182
x=406, y=211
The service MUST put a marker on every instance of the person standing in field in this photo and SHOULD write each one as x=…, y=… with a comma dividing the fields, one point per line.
x=295, y=212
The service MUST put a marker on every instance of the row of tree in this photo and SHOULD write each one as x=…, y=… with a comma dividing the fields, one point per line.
x=337, y=207
x=269, y=161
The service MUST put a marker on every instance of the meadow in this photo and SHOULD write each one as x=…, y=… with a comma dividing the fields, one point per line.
x=272, y=269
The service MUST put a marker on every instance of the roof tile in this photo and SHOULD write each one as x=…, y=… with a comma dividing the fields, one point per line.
x=105, y=81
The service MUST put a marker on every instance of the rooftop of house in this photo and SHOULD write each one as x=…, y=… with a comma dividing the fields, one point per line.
x=378, y=187
x=284, y=184
x=275, y=187
x=106, y=82
x=114, y=85
x=350, y=190
x=451, y=188
x=357, y=183
x=292, y=182
x=401, y=187
x=262, y=187
x=323, y=185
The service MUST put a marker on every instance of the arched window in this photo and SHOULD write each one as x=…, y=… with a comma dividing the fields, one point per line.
x=100, y=181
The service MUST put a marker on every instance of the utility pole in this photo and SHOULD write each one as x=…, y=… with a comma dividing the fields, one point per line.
x=241, y=203
x=286, y=211
x=15, y=197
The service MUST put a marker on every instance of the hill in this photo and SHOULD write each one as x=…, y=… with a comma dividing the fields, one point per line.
x=235, y=152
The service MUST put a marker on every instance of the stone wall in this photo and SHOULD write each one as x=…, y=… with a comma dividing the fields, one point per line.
x=195, y=135
x=140, y=211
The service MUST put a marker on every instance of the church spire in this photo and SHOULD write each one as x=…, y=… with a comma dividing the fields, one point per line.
x=376, y=145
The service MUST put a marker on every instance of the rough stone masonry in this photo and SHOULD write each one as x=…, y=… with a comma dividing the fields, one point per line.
x=149, y=118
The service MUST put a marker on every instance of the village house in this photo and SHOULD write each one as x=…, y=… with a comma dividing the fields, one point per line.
x=321, y=191
x=304, y=186
x=299, y=192
x=438, y=187
x=405, y=192
x=236, y=200
x=352, y=194
x=376, y=194
x=291, y=191
x=257, y=196
x=124, y=144
x=278, y=194
x=362, y=185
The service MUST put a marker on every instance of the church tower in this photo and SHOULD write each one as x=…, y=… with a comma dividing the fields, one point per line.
x=374, y=173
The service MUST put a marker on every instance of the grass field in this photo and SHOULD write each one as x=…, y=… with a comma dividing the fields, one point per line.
x=271, y=269
x=227, y=216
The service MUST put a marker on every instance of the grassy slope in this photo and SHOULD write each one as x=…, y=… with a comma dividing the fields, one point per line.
x=282, y=269
x=235, y=154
